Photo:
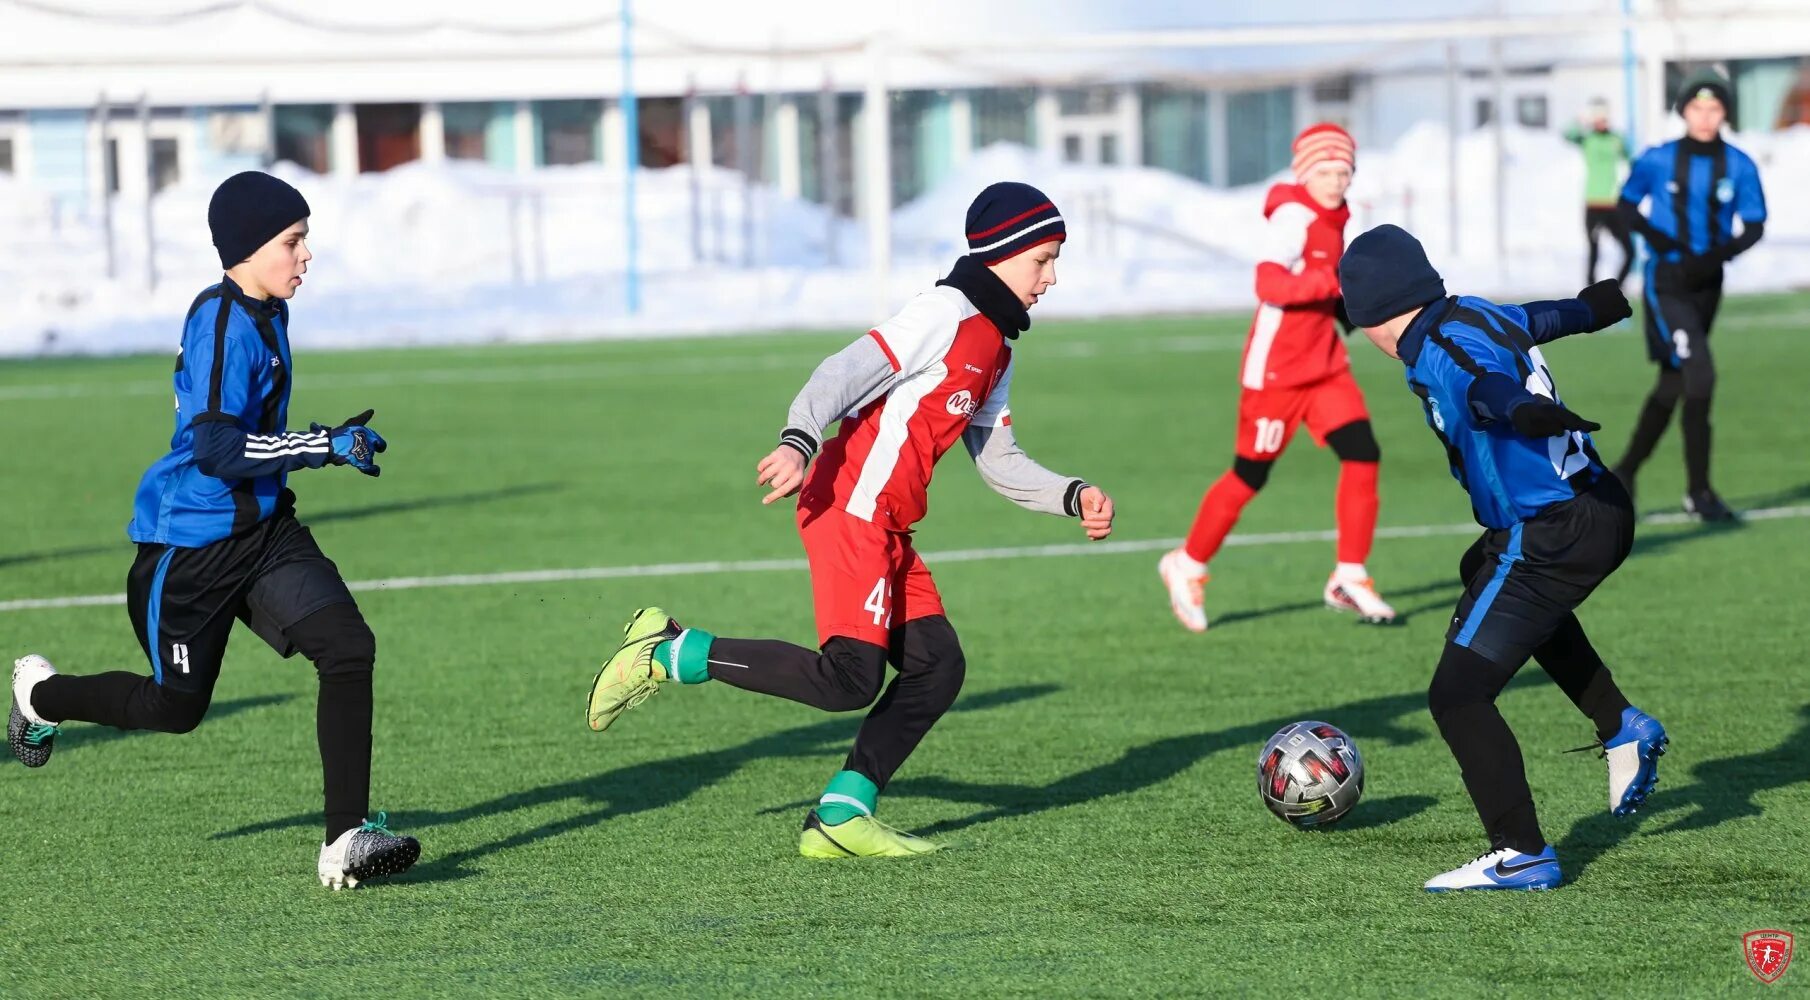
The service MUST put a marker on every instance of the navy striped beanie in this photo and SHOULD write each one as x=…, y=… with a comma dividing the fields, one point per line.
x=1009, y=218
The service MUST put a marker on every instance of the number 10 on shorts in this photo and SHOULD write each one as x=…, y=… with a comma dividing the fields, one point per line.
x=880, y=603
x=1269, y=436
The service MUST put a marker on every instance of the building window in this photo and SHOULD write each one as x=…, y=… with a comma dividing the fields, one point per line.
x=166, y=168
x=1175, y=130
x=1485, y=111
x=467, y=130
x=301, y=133
x=1071, y=149
x=1264, y=123
x=6, y=155
x=389, y=135
x=1332, y=90
x=1530, y=110
x=570, y=131
x=1087, y=100
x=1109, y=150
x=1003, y=116
x=112, y=166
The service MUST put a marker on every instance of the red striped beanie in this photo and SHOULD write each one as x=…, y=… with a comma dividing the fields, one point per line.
x=1319, y=143
x=1009, y=218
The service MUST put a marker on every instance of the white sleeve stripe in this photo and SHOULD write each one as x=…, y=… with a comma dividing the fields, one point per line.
x=294, y=448
x=280, y=438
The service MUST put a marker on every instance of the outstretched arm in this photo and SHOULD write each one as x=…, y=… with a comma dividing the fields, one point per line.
x=1012, y=474
x=1598, y=307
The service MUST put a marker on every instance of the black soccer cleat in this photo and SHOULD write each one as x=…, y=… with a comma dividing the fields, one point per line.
x=366, y=852
x=1706, y=506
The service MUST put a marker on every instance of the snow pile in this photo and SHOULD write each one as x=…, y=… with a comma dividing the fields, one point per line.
x=462, y=252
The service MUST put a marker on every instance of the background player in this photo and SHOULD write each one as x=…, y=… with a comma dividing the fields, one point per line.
x=1296, y=369
x=1604, y=152
x=937, y=372
x=218, y=539
x=1555, y=526
x=1694, y=188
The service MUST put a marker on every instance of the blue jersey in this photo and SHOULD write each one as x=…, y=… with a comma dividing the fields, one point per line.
x=1471, y=362
x=230, y=453
x=1696, y=190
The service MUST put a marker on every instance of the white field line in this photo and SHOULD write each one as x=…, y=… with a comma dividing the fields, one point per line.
x=694, y=364
x=934, y=558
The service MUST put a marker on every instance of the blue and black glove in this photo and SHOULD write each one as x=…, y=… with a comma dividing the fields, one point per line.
x=356, y=445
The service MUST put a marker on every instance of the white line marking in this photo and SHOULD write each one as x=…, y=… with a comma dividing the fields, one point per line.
x=951, y=556
x=637, y=368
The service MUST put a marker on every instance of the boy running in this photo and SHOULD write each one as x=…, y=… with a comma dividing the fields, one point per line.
x=218, y=539
x=1695, y=187
x=1556, y=524
x=937, y=372
x=1296, y=370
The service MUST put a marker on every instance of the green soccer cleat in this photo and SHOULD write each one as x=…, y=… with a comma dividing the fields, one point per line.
x=861, y=837
x=631, y=676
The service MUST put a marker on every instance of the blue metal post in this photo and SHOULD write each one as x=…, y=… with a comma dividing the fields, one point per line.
x=631, y=124
x=1627, y=75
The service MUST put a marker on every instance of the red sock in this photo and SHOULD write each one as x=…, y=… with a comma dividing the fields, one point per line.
x=1357, y=510
x=1219, y=510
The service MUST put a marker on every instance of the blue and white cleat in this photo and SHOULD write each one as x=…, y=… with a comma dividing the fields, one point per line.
x=1633, y=755
x=1502, y=869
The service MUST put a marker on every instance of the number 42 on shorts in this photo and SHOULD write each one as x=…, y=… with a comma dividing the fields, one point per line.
x=880, y=603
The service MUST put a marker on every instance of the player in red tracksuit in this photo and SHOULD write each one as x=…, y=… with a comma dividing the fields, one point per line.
x=902, y=395
x=1296, y=370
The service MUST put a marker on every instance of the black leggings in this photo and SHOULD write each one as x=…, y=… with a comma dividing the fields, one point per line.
x=847, y=674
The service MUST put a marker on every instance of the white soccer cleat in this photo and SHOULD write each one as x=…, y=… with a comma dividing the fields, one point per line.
x=1359, y=597
x=1187, y=583
x=1502, y=869
x=30, y=736
x=366, y=852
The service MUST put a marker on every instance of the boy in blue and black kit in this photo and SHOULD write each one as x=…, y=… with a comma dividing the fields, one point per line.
x=218, y=539
x=1695, y=187
x=1556, y=524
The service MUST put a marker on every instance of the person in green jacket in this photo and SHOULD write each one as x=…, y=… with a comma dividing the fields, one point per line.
x=1604, y=153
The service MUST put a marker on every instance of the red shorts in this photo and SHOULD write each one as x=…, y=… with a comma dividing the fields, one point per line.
x=1267, y=417
x=865, y=579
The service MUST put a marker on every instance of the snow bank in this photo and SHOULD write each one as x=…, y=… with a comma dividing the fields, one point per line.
x=463, y=253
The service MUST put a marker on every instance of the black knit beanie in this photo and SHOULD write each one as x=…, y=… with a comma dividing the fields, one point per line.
x=1385, y=273
x=250, y=209
x=1704, y=83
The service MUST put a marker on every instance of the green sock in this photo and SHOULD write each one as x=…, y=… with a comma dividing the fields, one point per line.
x=849, y=794
x=687, y=658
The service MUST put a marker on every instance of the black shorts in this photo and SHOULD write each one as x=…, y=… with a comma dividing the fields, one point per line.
x=1521, y=583
x=1678, y=322
x=183, y=601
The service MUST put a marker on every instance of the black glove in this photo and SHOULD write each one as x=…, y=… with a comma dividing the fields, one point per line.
x=1544, y=418
x=1608, y=306
x=1343, y=317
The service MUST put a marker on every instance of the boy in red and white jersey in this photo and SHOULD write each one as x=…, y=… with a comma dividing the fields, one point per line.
x=1296, y=370
x=905, y=392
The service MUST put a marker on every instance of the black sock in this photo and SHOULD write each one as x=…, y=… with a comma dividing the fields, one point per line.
x=1695, y=424
x=1463, y=700
x=342, y=724
x=1649, y=427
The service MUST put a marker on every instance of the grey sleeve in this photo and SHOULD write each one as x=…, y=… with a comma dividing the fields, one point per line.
x=1005, y=468
x=845, y=382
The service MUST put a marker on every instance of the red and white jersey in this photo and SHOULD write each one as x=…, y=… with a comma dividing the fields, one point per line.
x=954, y=369
x=1293, y=338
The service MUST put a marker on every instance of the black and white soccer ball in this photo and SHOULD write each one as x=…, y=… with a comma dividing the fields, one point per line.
x=1310, y=774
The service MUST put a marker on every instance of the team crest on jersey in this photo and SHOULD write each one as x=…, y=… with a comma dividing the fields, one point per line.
x=1725, y=189
x=1438, y=418
x=1768, y=953
x=961, y=404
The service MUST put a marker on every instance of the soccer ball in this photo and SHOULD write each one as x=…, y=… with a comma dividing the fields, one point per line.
x=1310, y=774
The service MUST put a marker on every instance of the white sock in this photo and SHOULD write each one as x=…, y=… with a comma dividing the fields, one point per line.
x=1350, y=572
x=1187, y=563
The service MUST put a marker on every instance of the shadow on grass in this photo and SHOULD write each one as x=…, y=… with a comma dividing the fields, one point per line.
x=626, y=790
x=124, y=547
x=1152, y=763
x=81, y=735
x=1720, y=790
x=1254, y=614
